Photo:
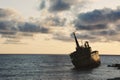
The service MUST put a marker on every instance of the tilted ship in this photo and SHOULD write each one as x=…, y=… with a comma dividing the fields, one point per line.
x=84, y=57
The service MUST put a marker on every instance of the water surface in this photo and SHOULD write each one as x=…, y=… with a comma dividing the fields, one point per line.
x=53, y=67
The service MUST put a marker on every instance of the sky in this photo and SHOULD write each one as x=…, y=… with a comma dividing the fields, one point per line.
x=46, y=26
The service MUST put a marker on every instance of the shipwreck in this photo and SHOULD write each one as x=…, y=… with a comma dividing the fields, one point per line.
x=84, y=57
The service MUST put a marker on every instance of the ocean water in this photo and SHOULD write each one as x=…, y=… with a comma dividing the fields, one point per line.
x=53, y=67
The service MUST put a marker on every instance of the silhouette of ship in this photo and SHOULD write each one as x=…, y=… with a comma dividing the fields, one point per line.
x=84, y=57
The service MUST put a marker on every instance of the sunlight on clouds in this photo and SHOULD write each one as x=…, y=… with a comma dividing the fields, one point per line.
x=26, y=8
x=39, y=45
x=46, y=26
x=99, y=4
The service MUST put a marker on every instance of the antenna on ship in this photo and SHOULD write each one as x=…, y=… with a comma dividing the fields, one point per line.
x=77, y=44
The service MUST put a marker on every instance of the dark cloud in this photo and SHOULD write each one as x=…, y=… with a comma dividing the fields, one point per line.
x=106, y=33
x=7, y=25
x=13, y=29
x=12, y=24
x=42, y=5
x=32, y=27
x=54, y=5
x=97, y=25
x=94, y=25
x=103, y=16
x=99, y=35
x=59, y=5
x=10, y=27
x=8, y=22
x=90, y=27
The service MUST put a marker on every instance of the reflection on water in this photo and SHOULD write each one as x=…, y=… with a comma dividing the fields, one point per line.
x=118, y=78
x=53, y=67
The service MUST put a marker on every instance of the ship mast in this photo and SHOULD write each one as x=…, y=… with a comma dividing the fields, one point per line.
x=77, y=44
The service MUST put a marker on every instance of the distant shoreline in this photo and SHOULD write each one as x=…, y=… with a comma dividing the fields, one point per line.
x=50, y=54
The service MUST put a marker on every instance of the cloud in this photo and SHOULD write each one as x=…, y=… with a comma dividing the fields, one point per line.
x=12, y=24
x=98, y=17
x=7, y=25
x=62, y=36
x=10, y=27
x=42, y=5
x=54, y=5
x=13, y=27
x=90, y=27
x=59, y=12
x=8, y=20
x=9, y=15
x=96, y=26
x=32, y=27
x=58, y=5
x=54, y=21
x=106, y=32
x=6, y=32
x=5, y=12
x=99, y=25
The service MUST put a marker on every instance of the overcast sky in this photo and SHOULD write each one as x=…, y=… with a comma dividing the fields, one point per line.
x=46, y=26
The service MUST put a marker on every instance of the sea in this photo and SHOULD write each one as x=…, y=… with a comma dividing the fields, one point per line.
x=54, y=67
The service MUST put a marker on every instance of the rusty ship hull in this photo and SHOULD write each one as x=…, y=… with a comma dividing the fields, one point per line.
x=84, y=61
x=84, y=57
